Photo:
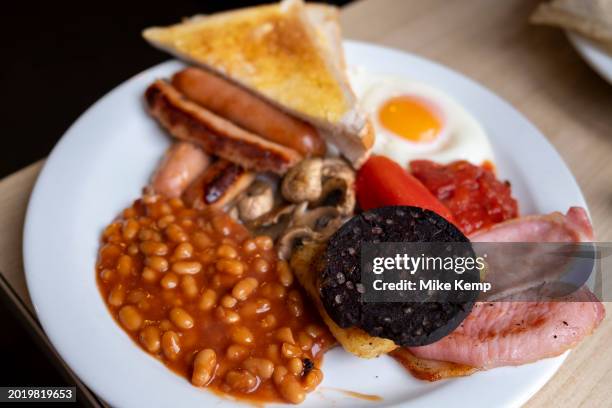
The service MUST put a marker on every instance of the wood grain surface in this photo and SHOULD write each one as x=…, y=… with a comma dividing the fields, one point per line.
x=14, y=195
x=534, y=68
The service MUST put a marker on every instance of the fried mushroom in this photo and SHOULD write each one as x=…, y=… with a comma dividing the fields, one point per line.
x=321, y=182
x=257, y=201
x=306, y=225
x=276, y=216
x=303, y=181
x=274, y=223
x=325, y=220
x=293, y=238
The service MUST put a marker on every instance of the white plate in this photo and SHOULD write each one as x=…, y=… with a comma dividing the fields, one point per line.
x=107, y=156
x=593, y=54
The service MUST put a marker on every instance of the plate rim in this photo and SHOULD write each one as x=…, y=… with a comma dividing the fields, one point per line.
x=28, y=232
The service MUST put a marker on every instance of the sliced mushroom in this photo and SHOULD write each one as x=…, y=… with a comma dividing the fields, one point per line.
x=318, y=219
x=257, y=201
x=338, y=186
x=273, y=217
x=340, y=193
x=293, y=237
x=272, y=224
x=334, y=167
x=321, y=182
x=309, y=225
x=303, y=181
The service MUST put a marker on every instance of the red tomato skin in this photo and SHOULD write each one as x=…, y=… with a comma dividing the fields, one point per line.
x=382, y=182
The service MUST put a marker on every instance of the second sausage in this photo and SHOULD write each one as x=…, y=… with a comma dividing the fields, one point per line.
x=248, y=111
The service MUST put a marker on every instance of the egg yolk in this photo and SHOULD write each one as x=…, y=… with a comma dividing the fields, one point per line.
x=410, y=118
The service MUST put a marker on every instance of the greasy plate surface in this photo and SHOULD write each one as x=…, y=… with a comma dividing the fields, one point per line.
x=594, y=55
x=105, y=158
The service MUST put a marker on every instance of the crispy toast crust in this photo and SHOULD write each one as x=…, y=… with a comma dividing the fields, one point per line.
x=269, y=49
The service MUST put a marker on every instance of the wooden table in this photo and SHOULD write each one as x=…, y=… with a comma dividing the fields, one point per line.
x=534, y=68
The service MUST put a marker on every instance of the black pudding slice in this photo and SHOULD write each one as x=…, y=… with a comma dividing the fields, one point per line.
x=407, y=323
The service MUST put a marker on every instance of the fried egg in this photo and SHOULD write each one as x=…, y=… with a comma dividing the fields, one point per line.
x=414, y=120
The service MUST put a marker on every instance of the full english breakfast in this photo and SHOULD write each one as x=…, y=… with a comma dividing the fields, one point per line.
x=238, y=268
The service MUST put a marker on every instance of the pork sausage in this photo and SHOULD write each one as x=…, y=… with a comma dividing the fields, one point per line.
x=182, y=163
x=248, y=111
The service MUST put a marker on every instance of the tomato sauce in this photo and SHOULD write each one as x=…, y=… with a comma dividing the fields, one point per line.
x=475, y=197
x=195, y=290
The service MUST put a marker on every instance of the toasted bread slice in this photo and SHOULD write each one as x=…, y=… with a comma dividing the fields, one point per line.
x=287, y=53
x=325, y=20
x=354, y=340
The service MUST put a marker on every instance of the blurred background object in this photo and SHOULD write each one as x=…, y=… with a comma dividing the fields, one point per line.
x=588, y=24
x=590, y=18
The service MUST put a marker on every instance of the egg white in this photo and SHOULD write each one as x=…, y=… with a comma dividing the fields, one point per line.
x=461, y=138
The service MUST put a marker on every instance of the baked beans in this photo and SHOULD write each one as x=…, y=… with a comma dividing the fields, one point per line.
x=261, y=367
x=295, y=366
x=150, y=275
x=230, y=266
x=208, y=300
x=227, y=316
x=169, y=281
x=228, y=301
x=116, y=296
x=189, y=286
x=290, y=350
x=312, y=379
x=261, y=265
x=213, y=303
x=290, y=388
x=130, y=317
x=124, y=265
x=227, y=251
x=243, y=289
x=204, y=366
x=170, y=343
x=284, y=334
x=236, y=352
x=187, y=267
x=268, y=322
x=183, y=251
x=181, y=318
x=151, y=339
x=158, y=263
x=241, y=335
x=241, y=380
x=256, y=307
